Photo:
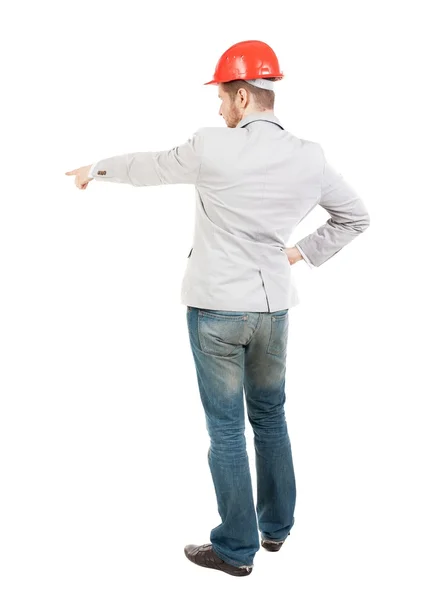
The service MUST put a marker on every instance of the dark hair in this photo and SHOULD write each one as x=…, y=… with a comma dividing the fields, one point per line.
x=264, y=99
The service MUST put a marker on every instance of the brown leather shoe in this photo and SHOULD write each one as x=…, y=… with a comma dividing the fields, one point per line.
x=205, y=556
x=271, y=546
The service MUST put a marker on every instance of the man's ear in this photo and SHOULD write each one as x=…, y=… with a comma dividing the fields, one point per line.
x=242, y=92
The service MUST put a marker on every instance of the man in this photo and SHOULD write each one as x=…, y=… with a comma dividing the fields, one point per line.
x=254, y=182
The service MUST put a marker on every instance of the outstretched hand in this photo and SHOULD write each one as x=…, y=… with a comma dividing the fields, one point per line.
x=81, y=176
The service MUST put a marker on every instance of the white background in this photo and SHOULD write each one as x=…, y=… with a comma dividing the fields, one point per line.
x=103, y=443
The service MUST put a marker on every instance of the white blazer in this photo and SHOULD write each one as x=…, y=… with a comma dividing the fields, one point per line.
x=253, y=185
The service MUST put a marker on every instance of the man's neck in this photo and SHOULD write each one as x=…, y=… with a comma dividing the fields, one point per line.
x=254, y=110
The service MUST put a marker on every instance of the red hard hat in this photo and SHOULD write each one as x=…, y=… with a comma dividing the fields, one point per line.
x=251, y=59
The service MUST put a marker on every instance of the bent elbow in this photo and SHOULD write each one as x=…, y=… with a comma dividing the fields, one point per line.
x=362, y=224
x=366, y=222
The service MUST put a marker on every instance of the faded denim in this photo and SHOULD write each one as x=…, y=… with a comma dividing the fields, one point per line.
x=236, y=352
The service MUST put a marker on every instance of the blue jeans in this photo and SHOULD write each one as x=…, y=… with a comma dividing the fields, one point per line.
x=236, y=351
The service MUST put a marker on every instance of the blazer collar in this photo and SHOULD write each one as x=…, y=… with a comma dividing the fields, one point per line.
x=259, y=116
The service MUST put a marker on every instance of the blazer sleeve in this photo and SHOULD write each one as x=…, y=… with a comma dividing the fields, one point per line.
x=181, y=164
x=348, y=218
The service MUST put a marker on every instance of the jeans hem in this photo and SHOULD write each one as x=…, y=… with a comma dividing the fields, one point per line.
x=230, y=561
x=275, y=541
